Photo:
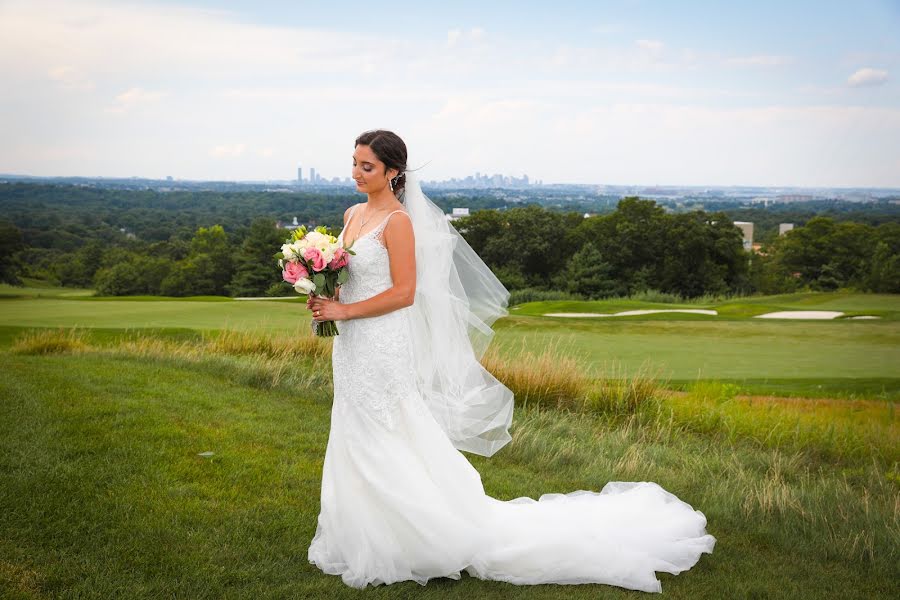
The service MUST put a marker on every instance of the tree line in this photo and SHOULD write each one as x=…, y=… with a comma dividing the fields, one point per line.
x=191, y=247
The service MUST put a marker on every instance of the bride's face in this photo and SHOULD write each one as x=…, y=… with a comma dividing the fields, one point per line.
x=368, y=171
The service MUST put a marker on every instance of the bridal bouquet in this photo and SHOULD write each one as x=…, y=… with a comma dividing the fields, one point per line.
x=314, y=262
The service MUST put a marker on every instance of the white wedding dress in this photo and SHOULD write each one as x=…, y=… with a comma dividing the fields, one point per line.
x=400, y=502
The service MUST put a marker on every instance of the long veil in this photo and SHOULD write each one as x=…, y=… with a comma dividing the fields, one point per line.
x=457, y=300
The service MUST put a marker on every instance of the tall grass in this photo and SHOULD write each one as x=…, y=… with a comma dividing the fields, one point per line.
x=50, y=341
x=836, y=430
x=524, y=295
x=618, y=393
x=548, y=378
x=651, y=295
x=552, y=378
x=134, y=512
x=841, y=431
x=262, y=360
x=278, y=345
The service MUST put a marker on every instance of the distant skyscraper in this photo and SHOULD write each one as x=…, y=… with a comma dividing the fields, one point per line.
x=312, y=175
x=299, y=174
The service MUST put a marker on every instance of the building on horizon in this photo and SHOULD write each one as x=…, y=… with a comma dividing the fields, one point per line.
x=747, y=229
x=299, y=174
x=457, y=213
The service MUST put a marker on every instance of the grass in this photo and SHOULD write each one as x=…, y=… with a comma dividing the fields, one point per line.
x=846, y=357
x=104, y=491
x=694, y=349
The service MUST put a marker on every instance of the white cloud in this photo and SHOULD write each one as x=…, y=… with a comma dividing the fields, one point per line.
x=759, y=60
x=211, y=96
x=134, y=97
x=70, y=78
x=650, y=45
x=228, y=150
x=606, y=28
x=867, y=76
x=457, y=37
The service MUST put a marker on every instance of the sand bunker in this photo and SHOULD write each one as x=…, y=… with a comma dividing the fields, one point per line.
x=864, y=317
x=699, y=311
x=801, y=314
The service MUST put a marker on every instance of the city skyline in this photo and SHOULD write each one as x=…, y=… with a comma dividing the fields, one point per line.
x=803, y=94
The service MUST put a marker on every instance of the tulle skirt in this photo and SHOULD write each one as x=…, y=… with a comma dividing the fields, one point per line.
x=399, y=503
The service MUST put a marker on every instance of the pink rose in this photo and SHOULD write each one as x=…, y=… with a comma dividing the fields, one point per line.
x=313, y=255
x=294, y=271
x=341, y=258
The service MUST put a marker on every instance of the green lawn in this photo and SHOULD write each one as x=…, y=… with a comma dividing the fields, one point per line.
x=103, y=492
x=840, y=358
x=702, y=349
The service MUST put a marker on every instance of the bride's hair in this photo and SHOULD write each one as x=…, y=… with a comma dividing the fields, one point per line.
x=390, y=149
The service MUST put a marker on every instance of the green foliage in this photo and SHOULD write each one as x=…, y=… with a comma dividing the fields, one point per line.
x=193, y=276
x=11, y=244
x=521, y=296
x=255, y=268
x=884, y=273
x=84, y=264
x=67, y=235
x=588, y=275
x=132, y=275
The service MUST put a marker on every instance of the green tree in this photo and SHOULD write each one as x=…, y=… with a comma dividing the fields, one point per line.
x=193, y=276
x=132, y=275
x=589, y=275
x=884, y=272
x=80, y=270
x=11, y=243
x=807, y=249
x=211, y=242
x=256, y=268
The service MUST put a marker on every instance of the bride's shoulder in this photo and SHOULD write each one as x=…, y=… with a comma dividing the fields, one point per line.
x=349, y=211
x=395, y=226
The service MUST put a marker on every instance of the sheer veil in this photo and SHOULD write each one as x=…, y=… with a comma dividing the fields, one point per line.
x=457, y=300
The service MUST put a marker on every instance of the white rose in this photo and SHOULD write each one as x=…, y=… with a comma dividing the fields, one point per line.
x=304, y=286
x=288, y=251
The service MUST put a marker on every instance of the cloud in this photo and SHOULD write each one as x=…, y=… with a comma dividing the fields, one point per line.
x=867, y=76
x=457, y=37
x=649, y=45
x=113, y=39
x=134, y=97
x=759, y=60
x=70, y=78
x=607, y=28
x=228, y=150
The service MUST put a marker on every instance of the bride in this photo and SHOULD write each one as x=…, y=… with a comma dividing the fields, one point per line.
x=399, y=501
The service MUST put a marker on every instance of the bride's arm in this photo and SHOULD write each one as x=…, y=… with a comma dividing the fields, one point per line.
x=401, y=246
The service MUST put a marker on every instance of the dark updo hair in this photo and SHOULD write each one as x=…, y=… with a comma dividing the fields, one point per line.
x=391, y=150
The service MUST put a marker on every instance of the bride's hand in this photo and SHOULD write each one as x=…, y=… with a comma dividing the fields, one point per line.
x=325, y=309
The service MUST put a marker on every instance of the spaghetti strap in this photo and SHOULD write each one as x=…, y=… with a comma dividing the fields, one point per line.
x=378, y=232
x=349, y=219
x=383, y=223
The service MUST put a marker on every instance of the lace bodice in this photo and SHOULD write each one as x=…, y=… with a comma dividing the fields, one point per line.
x=370, y=268
x=371, y=356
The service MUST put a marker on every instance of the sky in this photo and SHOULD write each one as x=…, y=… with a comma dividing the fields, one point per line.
x=627, y=92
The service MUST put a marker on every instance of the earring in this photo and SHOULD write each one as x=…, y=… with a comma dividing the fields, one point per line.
x=391, y=183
